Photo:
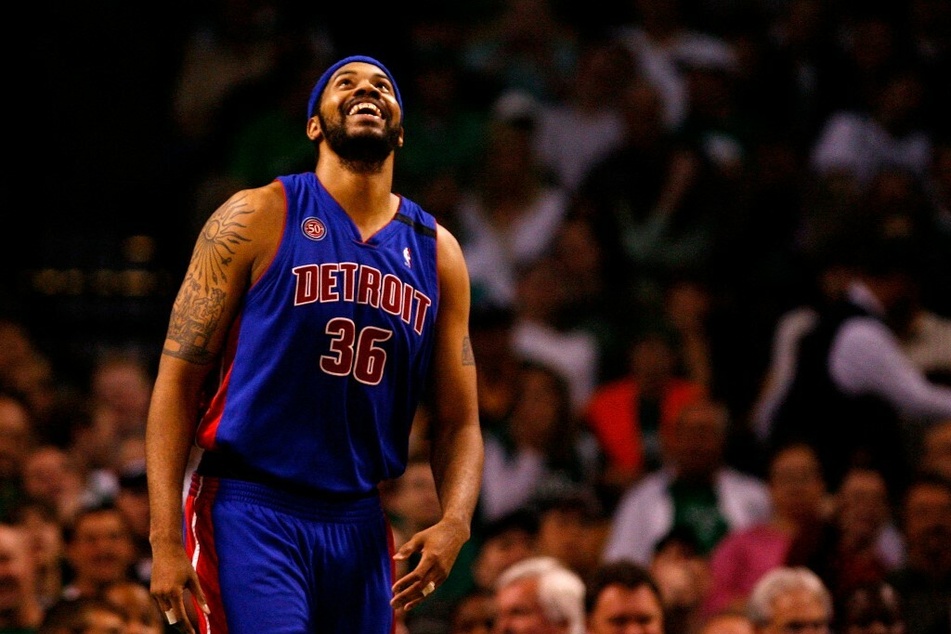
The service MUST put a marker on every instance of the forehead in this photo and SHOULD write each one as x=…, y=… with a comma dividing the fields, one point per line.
x=359, y=69
x=520, y=592
x=798, y=604
x=617, y=597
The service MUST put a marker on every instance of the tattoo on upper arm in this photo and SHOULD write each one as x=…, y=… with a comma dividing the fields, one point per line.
x=215, y=248
x=200, y=303
x=468, y=358
x=194, y=318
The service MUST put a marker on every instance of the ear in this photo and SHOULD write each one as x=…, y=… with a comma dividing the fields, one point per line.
x=399, y=143
x=314, y=131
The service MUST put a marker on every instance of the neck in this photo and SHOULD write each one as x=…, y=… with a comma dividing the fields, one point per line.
x=366, y=196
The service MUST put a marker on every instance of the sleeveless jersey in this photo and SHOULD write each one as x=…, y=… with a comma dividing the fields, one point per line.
x=329, y=355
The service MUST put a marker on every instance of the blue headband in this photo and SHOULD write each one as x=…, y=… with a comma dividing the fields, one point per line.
x=314, y=102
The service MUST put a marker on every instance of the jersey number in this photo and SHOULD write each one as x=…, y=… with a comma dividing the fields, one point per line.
x=355, y=352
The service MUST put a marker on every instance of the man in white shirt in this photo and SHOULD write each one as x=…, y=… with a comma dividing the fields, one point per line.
x=855, y=393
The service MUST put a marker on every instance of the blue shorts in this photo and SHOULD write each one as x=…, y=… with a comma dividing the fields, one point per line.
x=282, y=563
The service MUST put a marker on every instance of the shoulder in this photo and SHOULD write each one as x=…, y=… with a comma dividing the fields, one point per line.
x=448, y=250
x=253, y=204
x=250, y=222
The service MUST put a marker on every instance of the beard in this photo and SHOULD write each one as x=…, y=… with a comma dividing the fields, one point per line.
x=363, y=151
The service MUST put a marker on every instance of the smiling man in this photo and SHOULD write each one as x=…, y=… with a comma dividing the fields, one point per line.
x=320, y=308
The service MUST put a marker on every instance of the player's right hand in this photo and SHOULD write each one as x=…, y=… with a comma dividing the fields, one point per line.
x=172, y=575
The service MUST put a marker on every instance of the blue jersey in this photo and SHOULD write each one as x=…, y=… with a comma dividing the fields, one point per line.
x=330, y=352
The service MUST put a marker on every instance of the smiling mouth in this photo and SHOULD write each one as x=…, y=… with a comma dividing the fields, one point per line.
x=366, y=109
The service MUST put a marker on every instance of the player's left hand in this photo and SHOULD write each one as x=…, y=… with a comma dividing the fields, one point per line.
x=438, y=545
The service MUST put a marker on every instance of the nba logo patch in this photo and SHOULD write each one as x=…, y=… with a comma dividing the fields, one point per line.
x=407, y=257
x=313, y=228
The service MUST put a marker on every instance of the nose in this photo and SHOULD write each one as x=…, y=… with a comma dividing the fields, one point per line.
x=365, y=86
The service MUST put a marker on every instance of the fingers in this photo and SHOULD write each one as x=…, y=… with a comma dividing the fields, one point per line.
x=413, y=594
x=411, y=546
x=195, y=588
x=173, y=608
x=176, y=616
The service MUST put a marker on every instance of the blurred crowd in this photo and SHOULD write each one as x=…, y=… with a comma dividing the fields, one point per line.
x=661, y=203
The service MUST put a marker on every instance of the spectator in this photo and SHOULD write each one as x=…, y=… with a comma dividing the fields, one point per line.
x=144, y=616
x=509, y=214
x=502, y=543
x=683, y=577
x=51, y=476
x=727, y=622
x=16, y=348
x=657, y=38
x=593, y=301
x=122, y=384
x=863, y=545
x=539, y=333
x=631, y=414
x=16, y=441
x=577, y=130
x=539, y=595
x=687, y=307
x=34, y=381
x=89, y=432
x=857, y=144
x=790, y=599
x=620, y=596
x=473, y=613
x=797, y=492
x=99, y=551
x=695, y=489
x=571, y=527
x=498, y=364
x=44, y=532
x=853, y=376
x=640, y=196
x=924, y=581
x=20, y=606
x=871, y=608
x=541, y=448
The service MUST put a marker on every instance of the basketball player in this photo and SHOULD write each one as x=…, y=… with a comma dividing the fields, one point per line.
x=320, y=305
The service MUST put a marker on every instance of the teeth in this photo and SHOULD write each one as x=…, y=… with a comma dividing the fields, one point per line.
x=365, y=106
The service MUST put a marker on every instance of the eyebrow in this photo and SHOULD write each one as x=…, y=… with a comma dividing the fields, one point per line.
x=377, y=75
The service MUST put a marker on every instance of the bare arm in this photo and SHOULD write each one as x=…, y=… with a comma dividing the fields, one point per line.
x=457, y=451
x=234, y=243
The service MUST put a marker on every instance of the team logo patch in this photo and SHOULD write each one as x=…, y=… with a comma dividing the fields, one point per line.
x=313, y=228
x=407, y=257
